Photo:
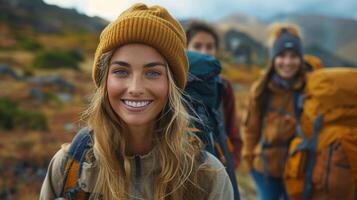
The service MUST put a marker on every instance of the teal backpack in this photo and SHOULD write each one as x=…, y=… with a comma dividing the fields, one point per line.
x=203, y=94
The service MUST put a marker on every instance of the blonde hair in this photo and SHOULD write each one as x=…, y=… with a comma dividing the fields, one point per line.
x=179, y=174
x=275, y=30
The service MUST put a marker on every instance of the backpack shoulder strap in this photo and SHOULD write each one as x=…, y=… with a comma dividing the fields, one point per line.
x=311, y=160
x=196, y=141
x=265, y=106
x=263, y=111
x=80, y=142
x=298, y=104
x=73, y=165
x=299, y=99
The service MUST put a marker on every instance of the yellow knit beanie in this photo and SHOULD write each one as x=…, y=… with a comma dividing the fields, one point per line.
x=152, y=26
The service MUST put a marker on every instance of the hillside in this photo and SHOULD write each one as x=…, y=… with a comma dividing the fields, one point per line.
x=45, y=82
x=44, y=18
x=335, y=35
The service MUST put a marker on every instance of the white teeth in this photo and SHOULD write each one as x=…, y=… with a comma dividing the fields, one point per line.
x=136, y=104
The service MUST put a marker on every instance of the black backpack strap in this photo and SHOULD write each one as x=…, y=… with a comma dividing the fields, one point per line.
x=311, y=157
x=309, y=145
x=205, y=133
x=299, y=99
x=264, y=109
x=73, y=164
x=265, y=106
x=298, y=104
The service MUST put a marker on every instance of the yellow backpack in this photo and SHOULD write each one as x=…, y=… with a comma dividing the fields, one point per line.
x=322, y=161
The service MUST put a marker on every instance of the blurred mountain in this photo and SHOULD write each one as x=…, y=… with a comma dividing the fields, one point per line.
x=333, y=34
x=33, y=26
x=44, y=18
x=328, y=58
x=337, y=36
x=245, y=24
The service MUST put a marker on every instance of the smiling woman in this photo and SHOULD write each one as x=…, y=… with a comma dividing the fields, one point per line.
x=137, y=144
x=270, y=122
x=138, y=86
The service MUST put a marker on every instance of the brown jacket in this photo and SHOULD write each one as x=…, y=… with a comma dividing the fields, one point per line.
x=277, y=128
x=219, y=188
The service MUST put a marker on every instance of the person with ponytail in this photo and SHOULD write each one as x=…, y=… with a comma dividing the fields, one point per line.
x=270, y=122
x=139, y=145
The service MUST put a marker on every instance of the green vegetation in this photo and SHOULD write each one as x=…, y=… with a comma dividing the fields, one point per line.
x=27, y=72
x=58, y=58
x=13, y=117
x=29, y=44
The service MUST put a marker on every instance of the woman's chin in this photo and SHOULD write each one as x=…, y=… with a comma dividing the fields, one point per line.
x=136, y=122
x=287, y=76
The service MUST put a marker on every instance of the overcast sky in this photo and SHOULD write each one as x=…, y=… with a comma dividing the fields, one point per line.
x=216, y=9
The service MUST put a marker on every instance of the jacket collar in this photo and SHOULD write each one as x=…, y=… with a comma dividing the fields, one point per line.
x=297, y=85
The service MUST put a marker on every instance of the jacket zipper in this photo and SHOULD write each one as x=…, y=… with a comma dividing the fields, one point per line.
x=137, y=167
x=137, y=171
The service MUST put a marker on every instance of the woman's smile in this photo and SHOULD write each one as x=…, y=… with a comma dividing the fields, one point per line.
x=136, y=105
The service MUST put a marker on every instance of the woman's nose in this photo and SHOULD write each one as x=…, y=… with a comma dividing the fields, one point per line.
x=135, y=86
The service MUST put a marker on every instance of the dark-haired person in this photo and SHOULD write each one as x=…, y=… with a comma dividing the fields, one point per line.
x=270, y=122
x=202, y=38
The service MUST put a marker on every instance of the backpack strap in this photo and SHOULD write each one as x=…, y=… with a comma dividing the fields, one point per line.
x=299, y=99
x=197, y=142
x=309, y=145
x=262, y=141
x=265, y=107
x=203, y=126
x=311, y=157
x=222, y=148
x=73, y=165
x=221, y=136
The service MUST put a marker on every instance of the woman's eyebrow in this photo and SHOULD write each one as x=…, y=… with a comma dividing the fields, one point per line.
x=153, y=64
x=125, y=64
x=121, y=63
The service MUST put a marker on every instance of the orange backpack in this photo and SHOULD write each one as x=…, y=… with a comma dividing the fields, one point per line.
x=71, y=188
x=322, y=161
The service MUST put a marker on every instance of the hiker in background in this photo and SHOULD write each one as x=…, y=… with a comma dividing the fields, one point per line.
x=202, y=38
x=136, y=145
x=203, y=100
x=270, y=122
x=312, y=63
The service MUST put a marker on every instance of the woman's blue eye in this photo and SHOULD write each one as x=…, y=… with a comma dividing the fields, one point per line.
x=153, y=74
x=120, y=72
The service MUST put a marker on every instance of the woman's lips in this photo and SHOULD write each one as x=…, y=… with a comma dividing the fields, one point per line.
x=136, y=105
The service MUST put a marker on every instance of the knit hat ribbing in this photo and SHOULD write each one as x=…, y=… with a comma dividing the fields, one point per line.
x=152, y=26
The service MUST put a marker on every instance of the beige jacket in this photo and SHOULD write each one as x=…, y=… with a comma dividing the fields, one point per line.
x=219, y=188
